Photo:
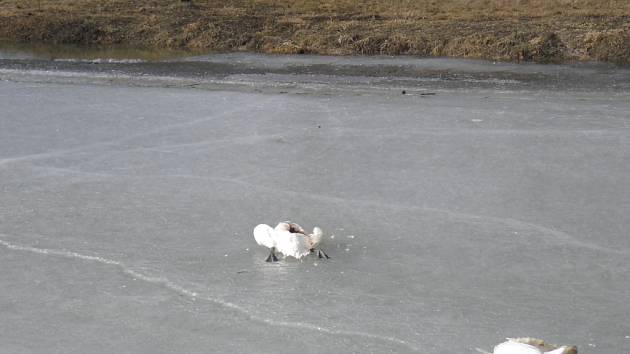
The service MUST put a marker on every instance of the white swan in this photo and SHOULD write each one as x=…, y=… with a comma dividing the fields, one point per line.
x=531, y=346
x=290, y=239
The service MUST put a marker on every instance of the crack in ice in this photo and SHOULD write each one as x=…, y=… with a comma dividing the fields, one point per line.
x=158, y=130
x=165, y=282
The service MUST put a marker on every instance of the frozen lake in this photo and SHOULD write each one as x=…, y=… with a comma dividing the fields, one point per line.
x=489, y=201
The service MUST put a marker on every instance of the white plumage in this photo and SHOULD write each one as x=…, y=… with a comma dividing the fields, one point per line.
x=316, y=237
x=264, y=236
x=510, y=347
x=288, y=238
x=292, y=241
x=531, y=346
x=563, y=350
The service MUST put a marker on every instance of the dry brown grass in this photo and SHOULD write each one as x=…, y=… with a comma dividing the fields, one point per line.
x=529, y=30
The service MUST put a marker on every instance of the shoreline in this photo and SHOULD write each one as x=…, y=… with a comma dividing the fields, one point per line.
x=550, y=38
x=284, y=74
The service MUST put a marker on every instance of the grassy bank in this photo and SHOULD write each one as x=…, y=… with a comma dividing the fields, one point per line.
x=518, y=30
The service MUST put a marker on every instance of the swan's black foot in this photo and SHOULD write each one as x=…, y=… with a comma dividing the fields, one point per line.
x=322, y=254
x=272, y=257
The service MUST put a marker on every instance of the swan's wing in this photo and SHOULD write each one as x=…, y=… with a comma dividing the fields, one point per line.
x=510, y=347
x=292, y=244
x=264, y=235
x=316, y=237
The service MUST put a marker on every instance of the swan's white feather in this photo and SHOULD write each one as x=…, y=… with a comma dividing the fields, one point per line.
x=316, y=237
x=264, y=235
x=510, y=347
x=291, y=243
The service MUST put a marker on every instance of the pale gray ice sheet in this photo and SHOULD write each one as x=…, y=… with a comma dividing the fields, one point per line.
x=458, y=219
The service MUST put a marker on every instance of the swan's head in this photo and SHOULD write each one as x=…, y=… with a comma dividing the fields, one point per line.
x=535, y=342
x=570, y=350
x=291, y=227
x=283, y=226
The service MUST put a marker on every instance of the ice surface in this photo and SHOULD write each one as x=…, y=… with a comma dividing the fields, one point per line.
x=497, y=207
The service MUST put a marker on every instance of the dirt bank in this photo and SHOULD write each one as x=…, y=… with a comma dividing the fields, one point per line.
x=517, y=30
